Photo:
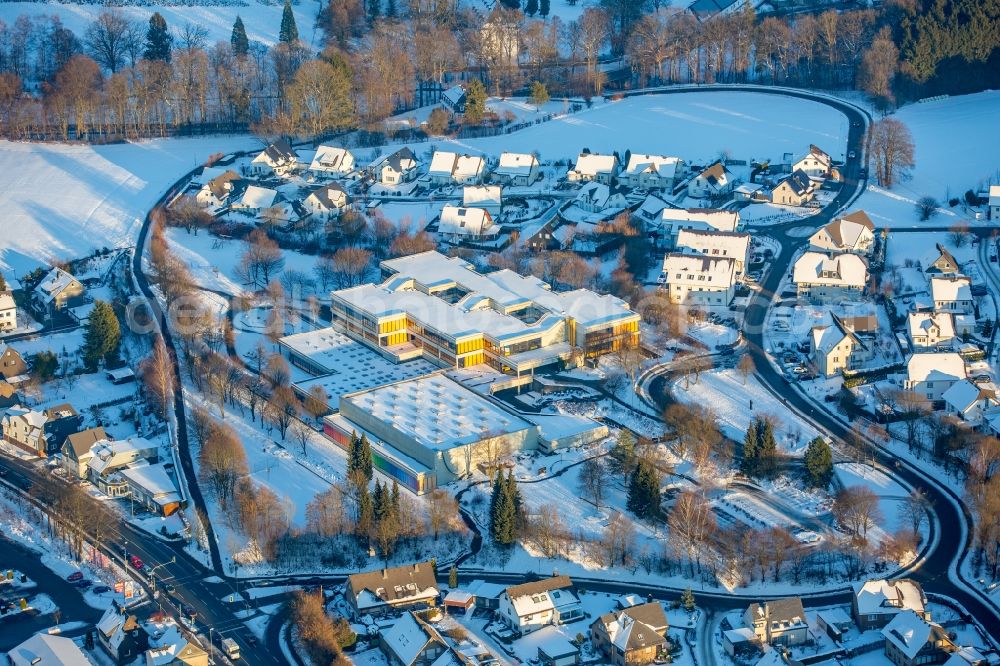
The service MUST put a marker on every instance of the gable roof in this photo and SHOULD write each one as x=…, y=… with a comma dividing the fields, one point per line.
x=848, y=270
x=636, y=627
x=408, y=637
x=798, y=181
x=704, y=241
x=945, y=261
x=952, y=288
x=785, y=611
x=919, y=323
x=516, y=164
x=468, y=221
x=54, y=283
x=412, y=581
x=7, y=300
x=537, y=586
x=401, y=160
x=910, y=633
x=81, y=442
x=964, y=395
x=716, y=174
x=681, y=268
x=48, y=650
x=845, y=232
x=331, y=158
x=490, y=195
x=223, y=184
x=595, y=163
x=826, y=338
x=935, y=366
x=816, y=153
x=323, y=193
x=280, y=152
x=258, y=197
x=707, y=218
x=661, y=165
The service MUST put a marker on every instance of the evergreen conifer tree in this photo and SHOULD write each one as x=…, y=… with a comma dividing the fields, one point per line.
x=543, y=8
x=819, y=462
x=748, y=464
x=158, y=39
x=531, y=7
x=103, y=335
x=365, y=463
x=687, y=600
x=289, y=32
x=767, y=448
x=239, y=41
x=366, y=512
x=380, y=504
x=453, y=577
x=475, y=102
x=644, y=491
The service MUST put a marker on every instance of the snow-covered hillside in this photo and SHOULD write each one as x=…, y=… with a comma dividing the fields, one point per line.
x=957, y=145
x=61, y=201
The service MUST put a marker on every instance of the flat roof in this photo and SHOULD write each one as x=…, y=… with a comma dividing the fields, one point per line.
x=435, y=411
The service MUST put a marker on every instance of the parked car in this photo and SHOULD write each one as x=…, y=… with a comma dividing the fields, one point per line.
x=851, y=155
x=84, y=584
x=102, y=589
x=75, y=576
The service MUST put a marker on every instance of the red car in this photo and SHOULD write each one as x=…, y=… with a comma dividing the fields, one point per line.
x=75, y=576
x=136, y=562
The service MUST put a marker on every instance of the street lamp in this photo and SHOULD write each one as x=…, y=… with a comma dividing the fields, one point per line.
x=152, y=579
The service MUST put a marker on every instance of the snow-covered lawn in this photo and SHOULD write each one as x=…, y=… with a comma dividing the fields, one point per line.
x=68, y=200
x=956, y=148
x=891, y=494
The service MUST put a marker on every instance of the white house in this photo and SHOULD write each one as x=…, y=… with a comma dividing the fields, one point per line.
x=713, y=182
x=454, y=98
x=778, y=622
x=592, y=166
x=994, y=213
x=651, y=171
x=670, y=221
x=488, y=197
x=255, y=199
x=595, y=197
x=531, y=606
x=332, y=160
x=399, y=167
x=930, y=374
x=952, y=294
x=834, y=347
x=453, y=168
x=711, y=243
x=458, y=224
x=930, y=329
x=816, y=163
x=822, y=279
x=699, y=280
x=969, y=402
x=8, y=312
x=875, y=602
x=516, y=169
x=853, y=232
x=57, y=290
x=326, y=201
x=278, y=159
x=48, y=650
x=795, y=189
x=216, y=192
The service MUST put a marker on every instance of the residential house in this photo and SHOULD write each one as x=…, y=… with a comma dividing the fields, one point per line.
x=398, y=587
x=815, y=164
x=449, y=168
x=487, y=197
x=875, y=602
x=634, y=635
x=485, y=595
x=704, y=243
x=669, y=222
x=944, y=264
x=411, y=642
x=48, y=650
x=332, y=161
x=740, y=641
x=930, y=374
x=8, y=395
x=952, y=294
x=970, y=403
x=458, y=224
x=530, y=606
x=254, y=200
x=455, y=98
x=834, y=347
x=397, y=168
x=217, y=192
x=11, y=363
x=820, y=278
x=41, y=433
x=152, y=487
x=77, y=451
x=56, y=291
x=911, y=640
x=930, y=330
x=595, y=197
x=169, y=645
x=8, y=312
x=651, y=171
x=795, y=189
x=278, y=159
x=121, y=635
x=593, y=166
x=326, y=201
x=967, y=656
x=778, y=622
x=518, y=169
x=109, y=456
x=554, y=647
x=699, y=280
x=853, y=232
x=714, y=182
x=994, y=203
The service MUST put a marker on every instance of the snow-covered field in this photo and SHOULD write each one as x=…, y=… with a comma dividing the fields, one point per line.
x=64, y=201
x=956, y=150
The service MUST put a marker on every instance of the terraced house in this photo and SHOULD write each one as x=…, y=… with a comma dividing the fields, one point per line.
x=441, y=308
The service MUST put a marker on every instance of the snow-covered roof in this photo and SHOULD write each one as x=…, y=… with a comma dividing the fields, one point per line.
x=257, y=197
x=651, y=207
x=460, y=597
x=399, y=161
x=716, y=174
x=107, y=454
x=454, y=94
x=965, y=656
x=329, y=196
x=740, y=635
x=48, y=650
x=844, y=232
x=481, y=195
x=599, y=196
x=542, y=595
x=712, y=273
x=407, y=583
x=935, y=366
x=7, y=301
x=277, y=154
x=995, y=195
x=592, y=164
x=54, y=284
x=919, y=323
x=797, y=181
x=516, y=164
x=826, y=338
x=466, y=222
x=713, y=243
x=408, y=637
x=332, y=159
x=701, y=218
x=33, y=418
x=637, y=626
x=661, y=165
x=481, y=588
x=846, y=270
x=435, y=411
x=888, y=596
x=154, y=480
x=963, y=395
x=817, y=154
x=167, y=644
x=455, y=166
x=551, y=641
x=950, y=289
x=910, y=632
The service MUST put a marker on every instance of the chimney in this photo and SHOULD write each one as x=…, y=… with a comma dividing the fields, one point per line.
x=416, y=567
x=385, y=574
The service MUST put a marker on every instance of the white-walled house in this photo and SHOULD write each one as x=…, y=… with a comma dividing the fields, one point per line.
x=795, y=189
x=853, y=232
x=930, y=374
x=651, y=171
x=278, y=159
x=457, y=224
x=714, y=181
x=820, y=278
x=255, y=199
x=332, y=161
x=670, y=221
x=699, y=280
x=399, y=167
x=326, y=201
x=952, y=294
x=8, y=312
x=969, y=402
x=929, y=330
x=487, y=197
x=454, y=168
x=834, y=347
x=531, y=606
x=217, y=192
x=592, y=166
x=520, y=169
x=597, y=197
x=816, y=163
x=994, y=203
x=711, y=243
